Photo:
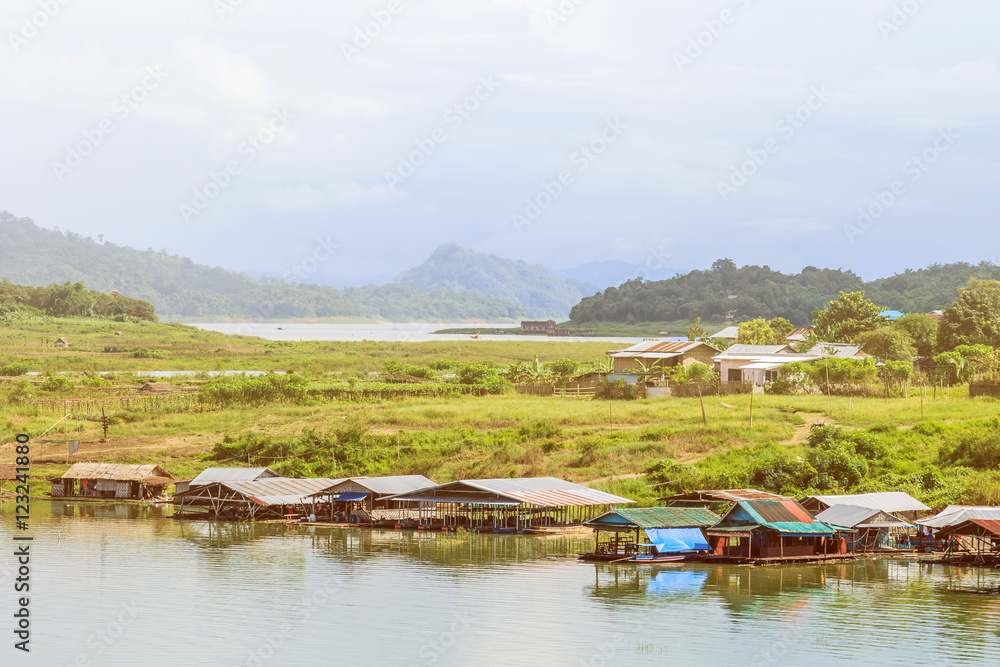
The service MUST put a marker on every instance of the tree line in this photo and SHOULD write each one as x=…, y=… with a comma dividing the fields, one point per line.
x=70, y=300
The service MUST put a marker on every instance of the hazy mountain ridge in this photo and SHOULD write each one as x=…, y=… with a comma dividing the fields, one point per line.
x=533, y=286
x=179, y=288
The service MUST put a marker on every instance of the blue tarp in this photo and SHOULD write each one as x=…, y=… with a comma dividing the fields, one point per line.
x=676, y=540
x=349, y=497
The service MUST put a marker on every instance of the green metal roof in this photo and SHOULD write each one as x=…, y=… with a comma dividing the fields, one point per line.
x=656, y=517
x=797, y=527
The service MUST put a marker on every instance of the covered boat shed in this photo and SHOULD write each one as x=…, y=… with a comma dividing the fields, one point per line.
x=270, y=498
x=867, y=529
x=773, y=530
x=210, y=475
x=977, y=541
x=627, y=532
x=509, y=505
x=897, y=503
x=365, y=499
x=111, y=480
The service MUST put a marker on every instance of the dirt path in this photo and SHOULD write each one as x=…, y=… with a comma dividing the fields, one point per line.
x=802, y=431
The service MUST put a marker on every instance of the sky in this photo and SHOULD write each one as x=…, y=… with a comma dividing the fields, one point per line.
x=347, y=140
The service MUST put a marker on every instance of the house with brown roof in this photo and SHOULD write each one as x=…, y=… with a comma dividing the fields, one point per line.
x=111, y=480
x=655, y=358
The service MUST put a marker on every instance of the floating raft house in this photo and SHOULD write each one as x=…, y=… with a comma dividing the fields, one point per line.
x=111, y=480
x=762, y=531
x=625, y=532
x=510, y=505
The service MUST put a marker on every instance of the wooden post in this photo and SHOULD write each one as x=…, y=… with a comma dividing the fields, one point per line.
x=701, y=399
x=751, y=405
x=922, y=394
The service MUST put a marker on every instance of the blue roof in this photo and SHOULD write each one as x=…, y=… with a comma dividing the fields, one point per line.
x=891, y=314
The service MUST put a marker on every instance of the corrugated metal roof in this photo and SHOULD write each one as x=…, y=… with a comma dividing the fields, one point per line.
x=744, y=350
x=210, y=475
x=852, y=516
x=388, y=486
x=656, y=517
x=837, y=350
x=729, y=333
x=887, y=501
x=974, y=527
x=540, y=491
x=786, y=516
x=122, y=472
x=777, y=511
x=280, y=490
x=956, y=514
x=723, y=495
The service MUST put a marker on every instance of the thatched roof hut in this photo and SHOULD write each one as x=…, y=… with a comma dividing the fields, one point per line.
x=61, y=342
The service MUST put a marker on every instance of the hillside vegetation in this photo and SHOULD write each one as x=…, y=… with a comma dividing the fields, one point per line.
x=759, y=291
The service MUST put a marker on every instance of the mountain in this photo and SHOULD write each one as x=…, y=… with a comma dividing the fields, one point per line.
x=452, y=267
x=596, y=276
x=182, y=289
x=759, y=291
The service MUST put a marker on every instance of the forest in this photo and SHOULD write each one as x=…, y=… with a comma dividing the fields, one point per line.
x=759, y=291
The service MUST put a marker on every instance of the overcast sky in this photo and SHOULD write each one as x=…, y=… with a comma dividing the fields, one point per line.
x=254, y=135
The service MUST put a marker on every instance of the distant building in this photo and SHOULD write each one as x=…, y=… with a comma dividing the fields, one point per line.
x=729, y=333
x=840, y=350
x=758, y=364
x=936, y=314
x=546, y=328
x=798, y=335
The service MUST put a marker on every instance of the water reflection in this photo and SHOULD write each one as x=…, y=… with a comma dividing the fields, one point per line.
x=221, y=586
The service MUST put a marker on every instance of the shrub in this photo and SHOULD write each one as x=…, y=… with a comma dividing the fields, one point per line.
x=13, y=370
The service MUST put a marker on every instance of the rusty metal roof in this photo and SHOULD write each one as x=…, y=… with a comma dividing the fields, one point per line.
x=974, y=527
x=539, y=491
x=657, y=347
x=120, y=472
x=721, y=496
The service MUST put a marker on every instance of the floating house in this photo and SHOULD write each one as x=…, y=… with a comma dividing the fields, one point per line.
x=211, y=475
x=367, y=499
x=772, y=530
x=976, y=540
x=111, y=480
x=626, y=532
x=867, y=529
x=259, y=499
x=897, y=503
x=511, y=505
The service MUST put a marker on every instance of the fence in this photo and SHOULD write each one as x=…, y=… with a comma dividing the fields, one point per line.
x=93, y=406
x=536, y=388
x=576, y=389
x=984, y=389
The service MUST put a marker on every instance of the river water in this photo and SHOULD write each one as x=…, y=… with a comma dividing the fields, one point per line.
x=404, y=333
x=116, y=584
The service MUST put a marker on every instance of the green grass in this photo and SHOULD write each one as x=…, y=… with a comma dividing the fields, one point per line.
x=610, y=443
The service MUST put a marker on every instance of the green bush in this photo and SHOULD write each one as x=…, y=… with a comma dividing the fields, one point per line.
x=13, y=370
x=57, y=383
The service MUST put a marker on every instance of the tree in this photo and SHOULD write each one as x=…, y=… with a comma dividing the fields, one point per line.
x=757, y=332
x=922, y=330
x=847, y=316
x=888, y=344
x=781, y=328
x=974, y=317
x=696, y=331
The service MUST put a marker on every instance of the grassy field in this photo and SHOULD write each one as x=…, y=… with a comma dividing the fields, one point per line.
x=947, y=450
